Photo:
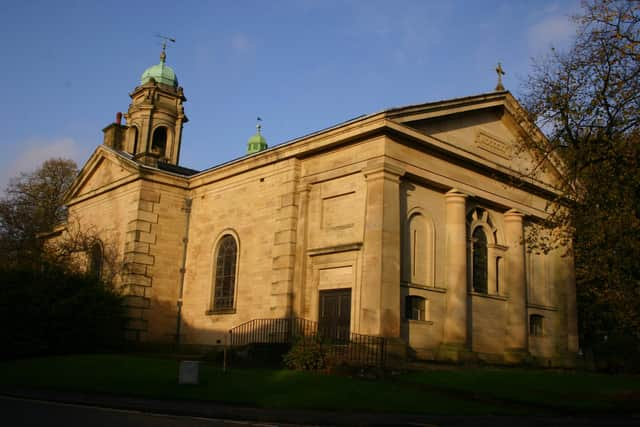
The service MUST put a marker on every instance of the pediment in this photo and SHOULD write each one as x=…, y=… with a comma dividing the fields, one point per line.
x=490, y=129
x=104, y=170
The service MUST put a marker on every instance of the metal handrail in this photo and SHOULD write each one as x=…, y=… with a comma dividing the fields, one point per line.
x=343, y=345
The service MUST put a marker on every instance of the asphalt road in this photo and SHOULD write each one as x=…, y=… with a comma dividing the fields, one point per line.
x=44, y=409
x=21, y=412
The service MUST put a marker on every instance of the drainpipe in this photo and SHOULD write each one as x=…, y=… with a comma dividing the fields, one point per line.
x=183, y=266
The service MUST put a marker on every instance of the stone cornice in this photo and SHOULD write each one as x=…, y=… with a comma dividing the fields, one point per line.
x=333, y=249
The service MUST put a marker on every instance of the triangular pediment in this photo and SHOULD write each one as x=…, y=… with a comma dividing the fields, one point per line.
x=104, y=170
x=491, y=129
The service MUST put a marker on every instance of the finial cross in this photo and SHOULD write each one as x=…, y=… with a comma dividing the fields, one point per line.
x=500, y=73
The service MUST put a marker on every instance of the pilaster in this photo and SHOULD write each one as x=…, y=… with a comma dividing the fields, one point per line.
x=573, y=345
x=301, y=250
x=516, y=340
x=284, y=248
x=380, y=300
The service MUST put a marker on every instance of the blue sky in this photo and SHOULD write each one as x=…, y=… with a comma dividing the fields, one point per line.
x=68, y=66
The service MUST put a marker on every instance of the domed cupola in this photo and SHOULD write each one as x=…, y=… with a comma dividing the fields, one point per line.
x=257, y=142
x=156, y=115
x=160, y=73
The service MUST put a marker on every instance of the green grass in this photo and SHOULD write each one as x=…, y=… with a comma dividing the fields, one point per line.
x=572, y=392
x=459, y=392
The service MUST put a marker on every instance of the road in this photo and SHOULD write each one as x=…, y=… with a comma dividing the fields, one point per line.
x=21, y=412
x=34, y=411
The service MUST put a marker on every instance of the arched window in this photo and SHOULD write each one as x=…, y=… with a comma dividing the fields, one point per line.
x=225, y=274
x=96, y=260
x=159, y=141
x=479, y=253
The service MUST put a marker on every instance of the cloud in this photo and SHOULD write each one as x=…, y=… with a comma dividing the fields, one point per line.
x=553, y=31
x=35, y=152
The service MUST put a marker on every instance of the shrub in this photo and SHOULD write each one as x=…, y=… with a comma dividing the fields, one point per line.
x=310, y=353
x=51, y=311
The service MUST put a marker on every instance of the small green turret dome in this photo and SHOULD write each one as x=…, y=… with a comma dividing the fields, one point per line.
x=257, y=142
x=161, y=73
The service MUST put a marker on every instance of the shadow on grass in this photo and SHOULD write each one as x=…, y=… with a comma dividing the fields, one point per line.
x=453, y=392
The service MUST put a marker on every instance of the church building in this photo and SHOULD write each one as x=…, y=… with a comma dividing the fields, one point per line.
x=409, y=223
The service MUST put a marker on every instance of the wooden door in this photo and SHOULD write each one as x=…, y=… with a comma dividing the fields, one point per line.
x=335, y=314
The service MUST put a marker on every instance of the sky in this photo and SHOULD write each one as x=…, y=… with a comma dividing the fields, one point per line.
x=301, y=65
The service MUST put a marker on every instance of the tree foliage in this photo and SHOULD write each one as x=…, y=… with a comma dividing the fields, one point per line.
x=74, y=250
x=51, y=303
x=51, y=310
x=33, y=204
x=587, y=100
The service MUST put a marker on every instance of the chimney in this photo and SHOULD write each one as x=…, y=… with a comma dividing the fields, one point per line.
x=114, y=133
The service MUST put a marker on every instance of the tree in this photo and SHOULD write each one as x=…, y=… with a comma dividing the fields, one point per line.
x=33, y=204
x=587, y=100
x=84, y=249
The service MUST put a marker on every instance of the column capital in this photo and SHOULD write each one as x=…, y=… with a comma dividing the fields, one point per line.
x=454, y=195
x=513, y=215
x=303, y=187
x=379, y=166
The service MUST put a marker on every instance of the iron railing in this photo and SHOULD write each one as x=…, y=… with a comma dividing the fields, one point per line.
x=271, y=331
x=343, y=346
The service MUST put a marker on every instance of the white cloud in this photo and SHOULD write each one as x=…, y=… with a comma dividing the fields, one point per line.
x=553, y=31
x=35, y=152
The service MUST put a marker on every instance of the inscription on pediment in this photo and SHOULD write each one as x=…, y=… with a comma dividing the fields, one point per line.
x=493, y=145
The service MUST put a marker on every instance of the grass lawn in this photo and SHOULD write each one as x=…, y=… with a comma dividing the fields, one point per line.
x=461, y=391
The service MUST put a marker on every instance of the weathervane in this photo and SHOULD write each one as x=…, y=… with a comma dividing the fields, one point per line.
x=258, y=126
x=500, y=73
x=165, y=39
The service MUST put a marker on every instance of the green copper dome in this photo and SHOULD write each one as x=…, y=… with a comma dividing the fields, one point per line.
x=257, y=142
x=161, y=73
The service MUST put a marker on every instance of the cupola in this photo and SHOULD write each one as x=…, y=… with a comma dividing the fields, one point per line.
x=156, y=115
x=257, y=142
x=160, y=73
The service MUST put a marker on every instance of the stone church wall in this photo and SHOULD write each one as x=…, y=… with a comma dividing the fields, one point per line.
x=331, y=255
x=97, y=214
x=161, y=210
x=251, y=206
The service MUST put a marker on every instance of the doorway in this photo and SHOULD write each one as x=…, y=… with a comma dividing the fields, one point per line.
x=334, y=320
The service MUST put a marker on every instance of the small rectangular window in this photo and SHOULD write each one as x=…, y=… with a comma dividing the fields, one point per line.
x=415, y=308
x=536, y=325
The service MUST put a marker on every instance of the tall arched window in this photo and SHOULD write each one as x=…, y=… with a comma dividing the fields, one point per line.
x=479, y=251
x=96, y=260
x=159, y=141
x=225, y=274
